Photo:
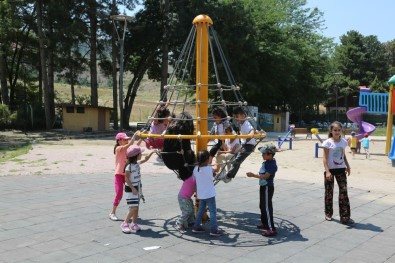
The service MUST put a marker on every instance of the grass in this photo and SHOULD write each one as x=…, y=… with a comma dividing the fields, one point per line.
x=146, y=99
x=12, y=151
x=143, y=106
x=380, y=131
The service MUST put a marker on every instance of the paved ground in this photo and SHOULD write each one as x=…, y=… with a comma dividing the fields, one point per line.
x=60, y=215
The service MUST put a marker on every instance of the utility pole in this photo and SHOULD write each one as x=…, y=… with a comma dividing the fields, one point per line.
x=121, y=39
x=165, y=4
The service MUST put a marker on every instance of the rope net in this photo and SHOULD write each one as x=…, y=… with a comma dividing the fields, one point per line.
x=180, y=92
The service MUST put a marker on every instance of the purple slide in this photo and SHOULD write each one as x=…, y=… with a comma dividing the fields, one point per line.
x=355, y=115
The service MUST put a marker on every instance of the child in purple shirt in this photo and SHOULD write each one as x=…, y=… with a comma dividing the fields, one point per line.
x=187, y=217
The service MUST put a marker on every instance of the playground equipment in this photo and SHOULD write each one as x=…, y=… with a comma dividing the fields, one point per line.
x=390, y=150
x=281, y=140
x=179, y=85
x=374, y=103
x=202, y=41
x=317, y=145
x=315, y=132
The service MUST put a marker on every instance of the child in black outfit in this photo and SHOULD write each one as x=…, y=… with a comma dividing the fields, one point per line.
x=266, y=190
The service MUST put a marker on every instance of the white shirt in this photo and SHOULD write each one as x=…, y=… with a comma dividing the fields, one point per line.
x=336, y=153
x=135, y=176
x=230, y=145
x=246, y=128
x=204, y=182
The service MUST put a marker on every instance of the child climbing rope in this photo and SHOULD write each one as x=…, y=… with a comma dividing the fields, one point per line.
x=247, y=145
x=177, y=153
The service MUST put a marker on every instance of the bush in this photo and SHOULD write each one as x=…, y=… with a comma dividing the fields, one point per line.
x=5, y=116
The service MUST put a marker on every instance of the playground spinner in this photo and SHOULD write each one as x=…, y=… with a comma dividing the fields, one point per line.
x=178, y=85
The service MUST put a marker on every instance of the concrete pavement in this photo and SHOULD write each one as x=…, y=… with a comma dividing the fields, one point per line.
x=64, y=218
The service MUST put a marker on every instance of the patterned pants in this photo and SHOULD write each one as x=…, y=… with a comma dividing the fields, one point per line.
x=187, y=211
x=344, y=203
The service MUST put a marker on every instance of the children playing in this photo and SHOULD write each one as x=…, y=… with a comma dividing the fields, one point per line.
x=178, y=154
x=219, y=116
x=205, y=190
x=185, y=194
x=266, y=190
x=365, y=142
x=158, y=126
x=229, y=148
x=122, y=143
x=133, y=187
x=247, y=145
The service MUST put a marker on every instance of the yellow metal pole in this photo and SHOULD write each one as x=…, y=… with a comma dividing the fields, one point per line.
x=389, y=121
x=202, y=22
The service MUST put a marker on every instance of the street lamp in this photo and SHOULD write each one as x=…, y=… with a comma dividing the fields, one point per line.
x=336, y=88
x=122, y=19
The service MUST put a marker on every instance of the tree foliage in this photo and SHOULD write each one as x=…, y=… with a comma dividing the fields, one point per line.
x=275, y=49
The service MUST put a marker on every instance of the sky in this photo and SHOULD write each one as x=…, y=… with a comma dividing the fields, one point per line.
x=368, y=17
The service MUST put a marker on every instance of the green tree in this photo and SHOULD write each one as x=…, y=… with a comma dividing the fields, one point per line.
x=390, y=57
x=361, y=59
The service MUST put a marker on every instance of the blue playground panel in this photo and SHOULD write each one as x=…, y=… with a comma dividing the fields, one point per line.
x=374, y=102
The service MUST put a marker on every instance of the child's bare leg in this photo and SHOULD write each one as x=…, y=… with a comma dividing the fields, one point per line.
x=135, y=213
x=114, y=209
x=129, y=215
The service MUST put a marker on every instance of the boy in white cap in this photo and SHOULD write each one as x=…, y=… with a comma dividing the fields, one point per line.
x=266, y=188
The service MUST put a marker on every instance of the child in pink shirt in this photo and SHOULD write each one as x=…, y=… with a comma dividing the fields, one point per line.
x=122, y=144
x=187, y=217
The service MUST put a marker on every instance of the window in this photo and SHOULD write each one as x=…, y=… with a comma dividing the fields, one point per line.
x=70, y=109
x=80, y=110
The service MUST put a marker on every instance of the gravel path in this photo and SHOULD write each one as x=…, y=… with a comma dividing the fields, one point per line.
x=88, y=156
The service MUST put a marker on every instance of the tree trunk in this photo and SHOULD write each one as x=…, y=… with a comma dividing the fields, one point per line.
x=114, y=53
x=40, y=82
x=133, y=86
x=51, y=84
x=93, y=67
x=3, y=79
x=48, y=120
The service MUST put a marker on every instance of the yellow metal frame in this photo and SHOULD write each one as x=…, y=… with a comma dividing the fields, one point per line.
x=389, y=121
x=197, y=137
x=202, y=23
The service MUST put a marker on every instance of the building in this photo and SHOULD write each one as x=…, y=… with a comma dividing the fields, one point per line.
x=85, y=118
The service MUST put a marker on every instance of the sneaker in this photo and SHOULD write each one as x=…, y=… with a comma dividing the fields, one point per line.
x=226, y=179
x=113, y=217
x=262, y=226
x=135, y=227
x=198, y=229
x=328, y=218
x=179, y=227
x=270, y=233
x=221, y=175
x=125, y=228
x=216, y=233
x=348, y=222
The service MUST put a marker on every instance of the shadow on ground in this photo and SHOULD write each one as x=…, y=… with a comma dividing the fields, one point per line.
x=239, y=231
